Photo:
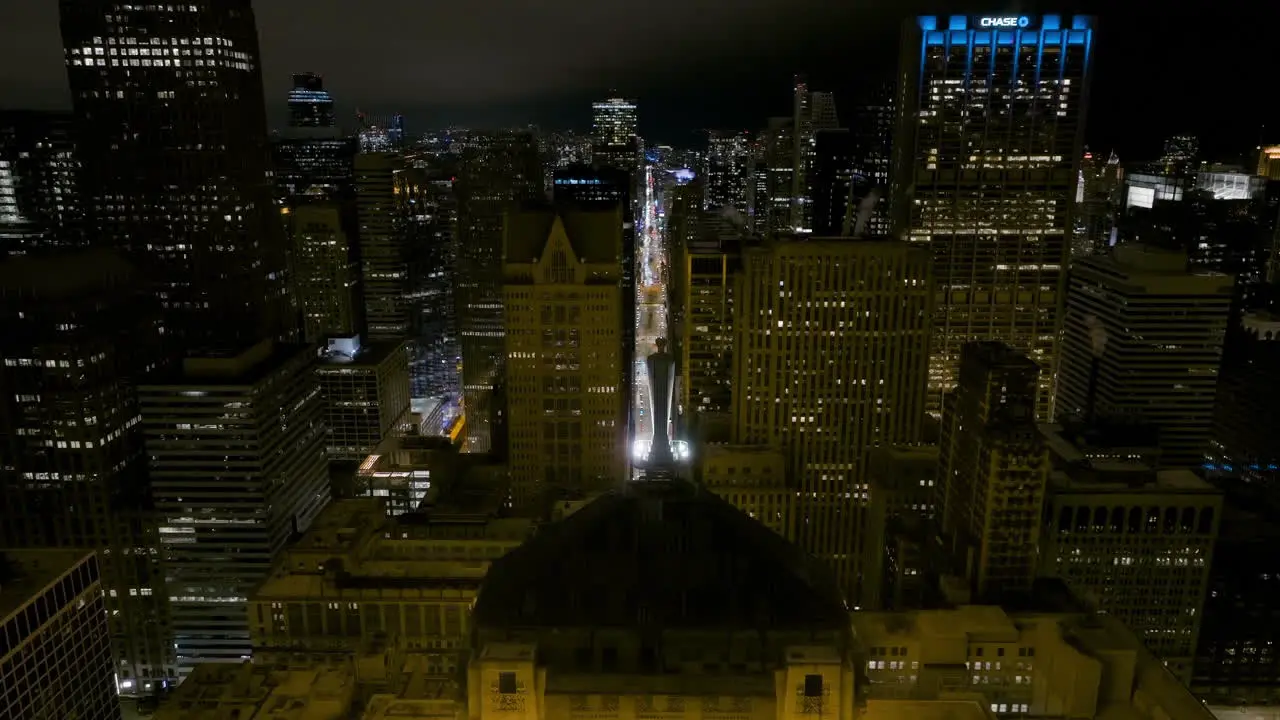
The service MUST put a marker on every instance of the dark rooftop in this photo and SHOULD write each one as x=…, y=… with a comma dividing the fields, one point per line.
x=659, y=556
x=595, y=235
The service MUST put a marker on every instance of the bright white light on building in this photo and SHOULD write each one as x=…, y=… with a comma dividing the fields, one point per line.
x=680, y=449
x=640, y=449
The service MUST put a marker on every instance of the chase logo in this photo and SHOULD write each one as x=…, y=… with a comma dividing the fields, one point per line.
x=1005, y=22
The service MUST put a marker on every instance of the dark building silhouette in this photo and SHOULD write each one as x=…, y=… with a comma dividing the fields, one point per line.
x=171, y=131
x=78, y=329
x=833, y=172
x=499, y=171
x=1243, y=446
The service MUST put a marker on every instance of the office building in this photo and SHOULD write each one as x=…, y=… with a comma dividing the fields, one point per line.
x=1221, y=226
x=671, y=564
x=55, y=649
x=1052, y=663
x=772, y=178
x=1235, y=666
x=831, y=181
x=178, y=176
x=1243, y=445
x=613, y=122
x=78, y=328
x=605, y=188
x=1136, y=546
x=236, y=443
x=810, y=112
x=700, y=294
x=39, y=201
x=563, y=302
x=310, y=105
x=1143, y=338
x=1269, y=162
x=1099, y=197
x=752, y=478
x=872, y=125
x=380, y=184
x=990, y=193
x=324, y=278
x=899, y=525
x=831, y=344
x=726, y=171
x=359, y=583
x=365, y=387
x=499, y=170
x=993, y=467
x=433, y=259
x=1181, y=155
x=314, y=160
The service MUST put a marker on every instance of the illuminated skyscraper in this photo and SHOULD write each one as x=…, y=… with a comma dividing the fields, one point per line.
x=173, y=143
x=772, y=171
x=613, y=122
x=236, y=442
x=324, y=277
x=310, y=105
x=39, y=200
x=990, y=131
x=564, y=355
x=726, y=174
x=832, y=341
x=872, y=126
x=499, y=169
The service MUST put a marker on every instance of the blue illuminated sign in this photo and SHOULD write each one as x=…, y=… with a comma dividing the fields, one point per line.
x=1010, y=21
x=579, y=181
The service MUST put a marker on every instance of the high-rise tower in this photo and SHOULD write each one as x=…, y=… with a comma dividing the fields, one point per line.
x=499, y=169
x=831, y=345
x=990, y=128
x=310, y=105
x=173, y=142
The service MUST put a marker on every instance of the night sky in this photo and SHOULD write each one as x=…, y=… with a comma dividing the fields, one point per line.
x=1162, y=67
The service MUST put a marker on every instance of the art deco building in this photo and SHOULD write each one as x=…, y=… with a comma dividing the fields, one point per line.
x=40, y=207
x=365, y=387
x=74, y=471
x=499, y=170
x=172, y=139
x=1133, y=543
x=1143, y=338
x=324, y=278
x=831, y=341
x=564, y=355
x=237, y=466
x=993, y=467
x=55, y=649
x=986, y=158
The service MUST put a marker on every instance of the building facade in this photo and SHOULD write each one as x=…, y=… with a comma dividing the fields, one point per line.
x=986, y=157
x=831, y=342
x=564, y=354
x=40, y=206
x=1143, y=338
x=177, y=175
x=324, y=278
x=55, y=649
x=498, y=171
x=365, y=387
x=993, y=467
x=237, y=466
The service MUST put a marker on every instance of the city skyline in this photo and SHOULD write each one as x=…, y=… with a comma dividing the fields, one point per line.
x=378, y=64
